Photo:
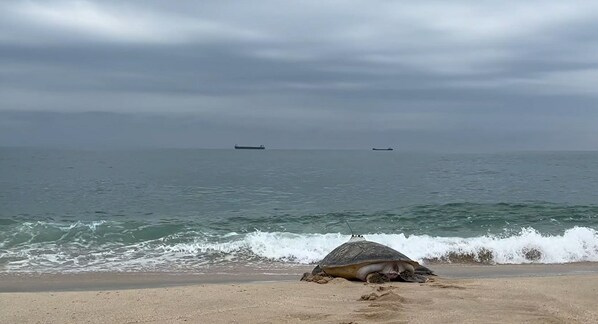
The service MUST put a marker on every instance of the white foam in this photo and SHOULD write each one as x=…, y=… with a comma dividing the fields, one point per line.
x=574, y=245
x=91, y=225
x=301, y=248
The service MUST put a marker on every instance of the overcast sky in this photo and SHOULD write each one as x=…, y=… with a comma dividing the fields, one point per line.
x=435, y=75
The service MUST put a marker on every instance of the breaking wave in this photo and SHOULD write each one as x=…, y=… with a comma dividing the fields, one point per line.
x=130, y=246
x=528, y=246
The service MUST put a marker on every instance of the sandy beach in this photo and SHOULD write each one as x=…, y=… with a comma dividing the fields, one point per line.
x=489, y=294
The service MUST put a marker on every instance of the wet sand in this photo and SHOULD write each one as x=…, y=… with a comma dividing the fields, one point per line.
x=526, y=293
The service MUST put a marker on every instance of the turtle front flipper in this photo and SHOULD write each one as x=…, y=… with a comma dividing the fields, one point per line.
x=376, y=278
x=421, y=270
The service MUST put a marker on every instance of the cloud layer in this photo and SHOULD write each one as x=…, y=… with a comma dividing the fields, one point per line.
x=460, y=75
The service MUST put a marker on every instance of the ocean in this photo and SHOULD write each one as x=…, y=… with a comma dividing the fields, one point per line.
x=190, y=210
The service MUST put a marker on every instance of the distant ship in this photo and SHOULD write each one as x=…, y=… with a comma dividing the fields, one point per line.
x=382, y=149
x=261, y=147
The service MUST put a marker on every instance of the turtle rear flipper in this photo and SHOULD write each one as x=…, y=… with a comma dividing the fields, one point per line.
x=421, y=270
x=412, y=277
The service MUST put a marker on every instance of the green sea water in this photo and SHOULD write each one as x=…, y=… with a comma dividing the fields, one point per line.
x=183, y=210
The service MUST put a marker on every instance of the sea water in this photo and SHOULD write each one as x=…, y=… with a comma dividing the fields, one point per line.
x=188, y=210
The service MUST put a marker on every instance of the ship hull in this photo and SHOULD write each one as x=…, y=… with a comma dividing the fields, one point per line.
x=261, y=147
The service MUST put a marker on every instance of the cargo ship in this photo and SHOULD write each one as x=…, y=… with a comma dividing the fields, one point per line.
x=239, y=147
x=382, y=149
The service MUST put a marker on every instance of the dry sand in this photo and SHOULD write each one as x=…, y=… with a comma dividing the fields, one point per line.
x=551, y=298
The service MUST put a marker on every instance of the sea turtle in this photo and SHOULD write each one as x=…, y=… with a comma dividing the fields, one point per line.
x=359, y=259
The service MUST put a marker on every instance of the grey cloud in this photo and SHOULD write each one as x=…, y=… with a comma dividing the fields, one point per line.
x=465, y=75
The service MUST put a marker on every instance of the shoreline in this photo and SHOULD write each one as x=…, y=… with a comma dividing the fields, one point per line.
x=100, y=281
x=567, y=298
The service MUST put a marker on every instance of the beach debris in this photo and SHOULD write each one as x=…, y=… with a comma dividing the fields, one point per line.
x=448, y=286
x=359, y=259
x=370, y=296
x=385, y=288
x=387, y=295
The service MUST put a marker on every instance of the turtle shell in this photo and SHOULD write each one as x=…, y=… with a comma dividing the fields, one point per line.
x=361, y=251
